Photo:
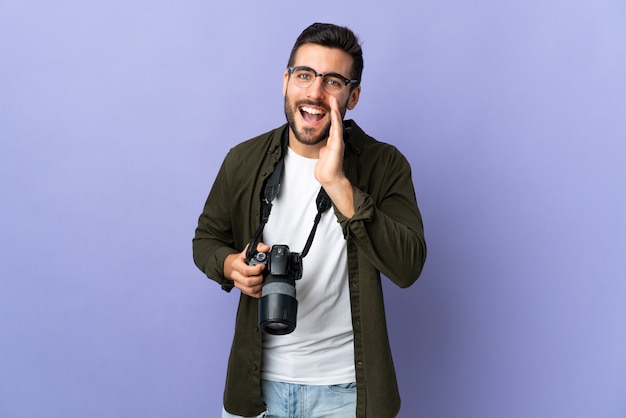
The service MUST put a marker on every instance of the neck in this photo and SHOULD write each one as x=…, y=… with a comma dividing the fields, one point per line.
x=305, y=150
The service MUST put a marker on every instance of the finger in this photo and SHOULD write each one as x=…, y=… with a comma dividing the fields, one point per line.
x=334, y=104
x=335, y=137
x=253, y=271
x=335, y=115
x=262, y=247
x=245, y=280
x=250, y=285
x=253, y=291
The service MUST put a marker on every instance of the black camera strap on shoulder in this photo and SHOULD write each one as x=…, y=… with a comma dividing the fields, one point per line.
x=272, y=187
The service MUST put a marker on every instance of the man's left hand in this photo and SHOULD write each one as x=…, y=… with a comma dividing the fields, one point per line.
x=329, y=168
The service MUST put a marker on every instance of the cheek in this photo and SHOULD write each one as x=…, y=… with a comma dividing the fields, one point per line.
x=289, y=101
x=346, y=106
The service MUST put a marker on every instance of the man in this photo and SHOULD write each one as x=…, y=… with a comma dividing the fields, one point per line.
x=337, y=362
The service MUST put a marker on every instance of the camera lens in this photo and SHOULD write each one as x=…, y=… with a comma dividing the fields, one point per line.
x=276, y=326
x=278, y=305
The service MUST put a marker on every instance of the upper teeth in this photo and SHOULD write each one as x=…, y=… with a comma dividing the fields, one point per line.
x=312, y=110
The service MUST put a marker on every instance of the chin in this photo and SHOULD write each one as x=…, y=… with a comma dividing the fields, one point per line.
x=308, y=136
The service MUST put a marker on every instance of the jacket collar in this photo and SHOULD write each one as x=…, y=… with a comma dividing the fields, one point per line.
x=354, y=136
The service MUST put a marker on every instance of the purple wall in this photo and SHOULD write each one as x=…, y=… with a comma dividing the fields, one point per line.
x=115, y=116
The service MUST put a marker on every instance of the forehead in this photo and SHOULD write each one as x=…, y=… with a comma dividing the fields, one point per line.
x=323, y=59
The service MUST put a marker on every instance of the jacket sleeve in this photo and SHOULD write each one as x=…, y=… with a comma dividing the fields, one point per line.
x=213, y=239
x=387, y=225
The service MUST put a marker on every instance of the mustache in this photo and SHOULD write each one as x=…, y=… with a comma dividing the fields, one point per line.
x=301, y=103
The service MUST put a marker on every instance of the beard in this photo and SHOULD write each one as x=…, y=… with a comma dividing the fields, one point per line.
x=304, y=135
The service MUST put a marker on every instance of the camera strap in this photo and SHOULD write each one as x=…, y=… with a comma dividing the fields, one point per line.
x=272, y=187
x=323, y=203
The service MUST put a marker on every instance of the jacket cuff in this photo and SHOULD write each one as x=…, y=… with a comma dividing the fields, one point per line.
x=363, y=211
x=218, y=258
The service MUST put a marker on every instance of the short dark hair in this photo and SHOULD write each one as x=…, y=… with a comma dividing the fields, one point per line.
x=332, y=36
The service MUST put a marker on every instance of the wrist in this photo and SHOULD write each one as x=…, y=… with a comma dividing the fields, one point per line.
x=228, y=266
x=340, y=192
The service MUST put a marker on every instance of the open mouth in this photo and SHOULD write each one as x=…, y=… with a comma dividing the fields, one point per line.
x=312, y=114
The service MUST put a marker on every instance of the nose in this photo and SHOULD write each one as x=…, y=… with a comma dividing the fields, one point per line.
x=316, y=90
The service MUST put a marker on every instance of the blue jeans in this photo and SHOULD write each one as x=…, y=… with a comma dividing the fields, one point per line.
x=288, y=400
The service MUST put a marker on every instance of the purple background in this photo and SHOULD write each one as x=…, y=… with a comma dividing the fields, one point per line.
x=115, y=116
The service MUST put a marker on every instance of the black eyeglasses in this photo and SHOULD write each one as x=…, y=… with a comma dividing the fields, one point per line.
x=333, y=83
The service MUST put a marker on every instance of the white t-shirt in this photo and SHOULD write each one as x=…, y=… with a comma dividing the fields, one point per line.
x=321, y=350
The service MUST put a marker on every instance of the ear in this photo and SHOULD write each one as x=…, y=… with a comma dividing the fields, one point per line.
x=354, y=97
x=285, y=81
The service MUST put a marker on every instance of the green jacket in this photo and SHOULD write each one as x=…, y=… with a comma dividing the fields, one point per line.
x=385, y=235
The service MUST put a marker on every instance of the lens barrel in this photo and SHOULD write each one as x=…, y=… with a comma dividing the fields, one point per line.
x=277, y=313
x=278, y=306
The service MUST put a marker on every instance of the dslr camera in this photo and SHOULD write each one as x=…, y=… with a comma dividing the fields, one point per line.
x=278, y=306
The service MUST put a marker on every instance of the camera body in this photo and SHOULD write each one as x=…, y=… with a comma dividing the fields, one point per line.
x=278, y=306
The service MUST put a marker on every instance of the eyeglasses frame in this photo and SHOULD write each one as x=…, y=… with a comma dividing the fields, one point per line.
x=304, y=67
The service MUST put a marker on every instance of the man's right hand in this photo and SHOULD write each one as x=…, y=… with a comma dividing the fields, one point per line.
x=248, y=279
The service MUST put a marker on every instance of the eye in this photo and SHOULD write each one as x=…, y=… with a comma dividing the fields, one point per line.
x=304, y=75
x=333, y=81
